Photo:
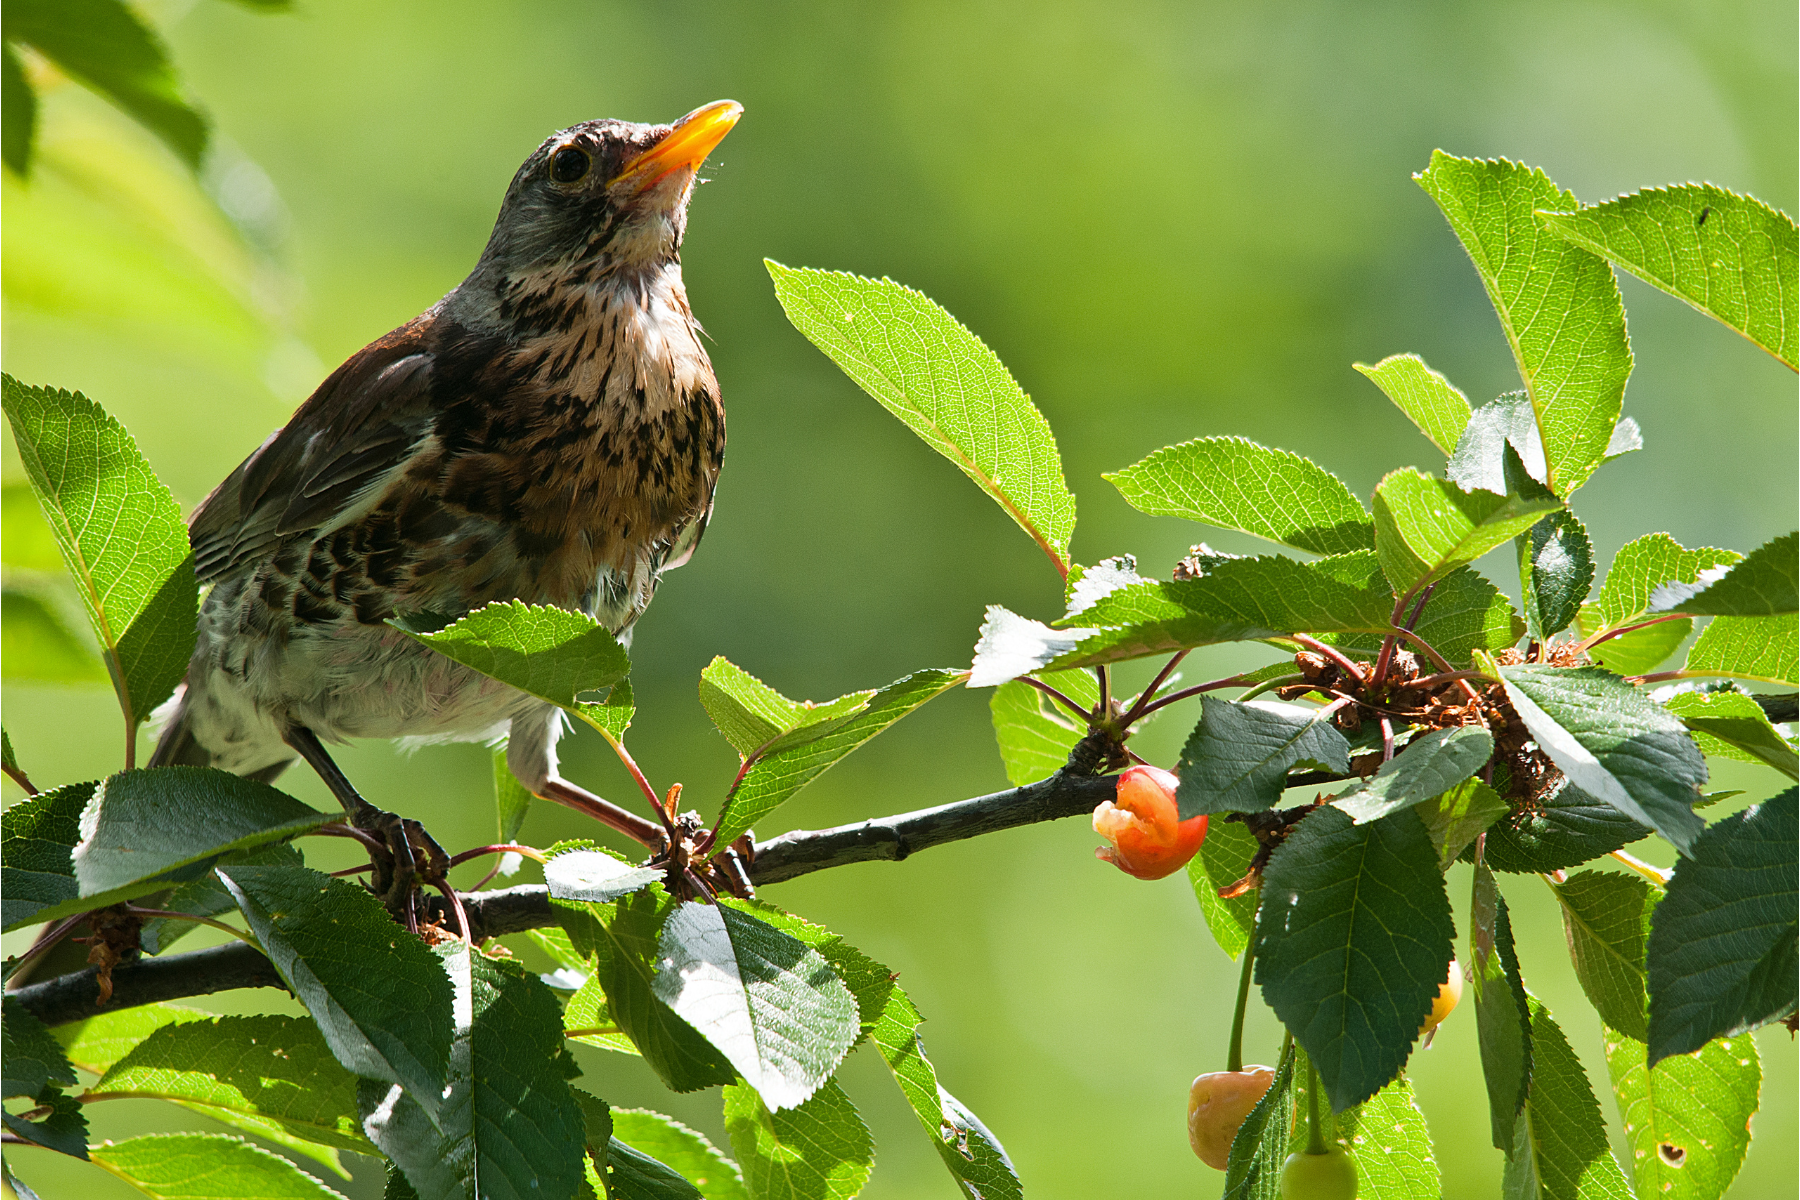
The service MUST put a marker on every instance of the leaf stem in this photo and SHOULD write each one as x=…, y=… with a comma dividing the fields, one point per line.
x=1336, y=656
x=530, y=852
x=169, y=915
x=1144, y=697
x=1655, y=875
x=1057, y=695
x=1590, y=642
x=1104, y=677
x=1234, y=1053
x=1427, y=681
x=1189, y=693
x=17, y=776
x=1269, y=685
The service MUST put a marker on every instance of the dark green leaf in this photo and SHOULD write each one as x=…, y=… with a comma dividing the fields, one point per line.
x=380, y=997
x=1730, y=256
x=1606, y=916
x=1435, y=406
x=1467, y=613
x=37, y=647
x=1429, y=765
x=1231, y=483
x=1564, y=829
x=1734, y=725
x=1765, y=583
x=676, y=1146
x=1239, y=755
x=795, y=759
x=55, y=1123
x=945, y=384
x=207, y=1166
x=751, y=714
x=819, y=1151
x=1455, y=819
x=18, y=113
x=771, y=1005
x=1257, y=1153
x=1761, y=648
x=1722, y=956
x=594, y=875
x=1559, y=1149
x=1034, y=734
x=98, y=1042
x=1614, y=743
x=40, y=833
x=1224, y=858
x=633, y=1175
x=32, y=1059
x=1502, y=1020
x=1425, y=527
x=1687, y=1118
x=119, y=529
x=1557, y=569
x=206, y=897
x=511, y=799
x=1558, y=304
x=1354, y=940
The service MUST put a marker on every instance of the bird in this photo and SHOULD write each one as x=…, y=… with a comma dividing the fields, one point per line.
x=550, y=431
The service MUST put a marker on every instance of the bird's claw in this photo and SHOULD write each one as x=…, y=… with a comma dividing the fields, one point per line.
x=413, y=858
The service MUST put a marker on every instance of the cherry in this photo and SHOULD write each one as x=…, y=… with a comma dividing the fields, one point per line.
x=1217, y=1106
x=1327, y=1176
x=1449, y=993
x=1148, y=839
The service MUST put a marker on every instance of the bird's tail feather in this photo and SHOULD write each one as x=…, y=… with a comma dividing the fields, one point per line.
x=177, y=747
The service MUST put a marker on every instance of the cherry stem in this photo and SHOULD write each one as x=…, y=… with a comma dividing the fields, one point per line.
x=1664, y=676
x=643, y=783
x=1057, y=695
x=1234, y=1053
x=1345, y=664
x=530, y=852
x=352, y=871
x=1184, y=694
x=1315, y=1136
x=462, y=918
x=337, y=829
x=1387, y=740
x=1148, y=694
x=1105, y=679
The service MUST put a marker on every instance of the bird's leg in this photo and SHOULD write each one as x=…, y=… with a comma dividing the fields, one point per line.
x=405, y=840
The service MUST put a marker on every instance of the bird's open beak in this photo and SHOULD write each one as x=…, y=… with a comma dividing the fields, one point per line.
x=685, y=147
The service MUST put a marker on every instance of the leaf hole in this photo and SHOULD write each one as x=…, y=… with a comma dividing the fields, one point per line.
x=1672, y=1154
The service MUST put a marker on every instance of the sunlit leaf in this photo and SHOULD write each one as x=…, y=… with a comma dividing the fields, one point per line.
x=1434, y=404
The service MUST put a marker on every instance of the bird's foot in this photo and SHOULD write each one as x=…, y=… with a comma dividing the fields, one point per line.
x=413, y=857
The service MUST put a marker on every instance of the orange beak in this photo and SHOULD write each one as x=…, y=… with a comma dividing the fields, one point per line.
x=685, y=147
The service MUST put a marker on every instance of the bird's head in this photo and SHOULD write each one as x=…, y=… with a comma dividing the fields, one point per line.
x=609, y=193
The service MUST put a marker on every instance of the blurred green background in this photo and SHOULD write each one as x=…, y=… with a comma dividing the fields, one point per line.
x=1169, y=220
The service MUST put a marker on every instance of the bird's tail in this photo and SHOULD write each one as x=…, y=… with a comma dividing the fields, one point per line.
x=177, y=746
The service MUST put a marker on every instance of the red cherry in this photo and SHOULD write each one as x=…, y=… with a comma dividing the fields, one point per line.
x=1148, y=839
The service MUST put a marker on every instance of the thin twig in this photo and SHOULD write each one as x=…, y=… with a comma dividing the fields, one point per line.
x=530, y=852
x=1058, y=696
x=1149, y=693
x=1336, y=656
x=1188, y=693
x=1593, y=640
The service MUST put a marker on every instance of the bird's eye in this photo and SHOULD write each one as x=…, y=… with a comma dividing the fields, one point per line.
x=569, y=164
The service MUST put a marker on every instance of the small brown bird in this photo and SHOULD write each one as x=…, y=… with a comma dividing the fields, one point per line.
x=550, y=431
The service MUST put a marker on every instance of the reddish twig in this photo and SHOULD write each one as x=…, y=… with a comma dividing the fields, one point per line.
x=1149, y=693
x=1057, y=695
x=1346, y=665
x=1188, y=693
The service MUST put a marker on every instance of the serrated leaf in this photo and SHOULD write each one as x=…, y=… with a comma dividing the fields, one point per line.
x=1425, y=527
x=1353, y=942
x=1730, y=256
x=1384, y=1138
x=1722, y=949
x=795, y=759
x=1457, y=817
x=588, y=1019
x=1429, y=765
x=1606, y=916
x=819, y=1151
x=207, y=1166
x=1640, y=566
x=1559, y=1149
x=39, y=835
x=594, y=876
x=1502, y=1019
x=1558, y=304
x=1224, y=858
x=1009, y=646
x=1439, y=410
x=508, y=1126
x=1556, y=569
x=265, y=1075
x=511, y=799
x=544, y=651
x=206, y=897
x=945, y=384
x=1758, y=648
x=1561, y=830
x=1253, y=1172
x=380, y=997
x=751, y=714
x=1765, y=583
x=111, y=49
x=634, y=1175
x=1614, y=743
x=1239, y=755
x=681, y=1149
x=1734, y=725
x=771, y=1005
x=1034, y=736
x=120, y=533
x=1687, y=1119
x=55, y=1122
x=1638, y=652
x=32, y=1059
x=1467, y=613
x=100, y=1041
x=1231, y=483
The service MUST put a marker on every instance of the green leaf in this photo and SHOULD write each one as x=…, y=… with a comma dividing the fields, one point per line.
x=1384, y=1138
x=1431, y=764
x=1502, y=1019
x=33, y=1059
x=751, y=714
x=119, y=530
x=1606, y=916
x=1730, y=256
x=18, y=113
x=542, y=650
x=819, y=1151
x=795, y=759
x=587, y=1019
x=1035, y=736
x=1253, y=1171
x=1614, y=743
x=598, y=876
x=379, y=996
x=98, y=1042
x=1759, y=648
x=207, y=1166
x=1734, y=725
x=1687, y=1118
x=1561, y=830
x=1425, y=528
x=40, y=833
x=1457, y=817
x=772, y=1006
x=1231, y=483
x=1559, y=1149
x=1439, y=410
x=265, y=1075
x=507, y=1117
x=206, y=897
x=1556, y=569
x=37, y=647
x=1640, y=567
x=945, y=384
x=1635, y=653
x=1722, y=951
x=1354, y=940
x=1765, y=583
x=681, y=1149
x=511, y=799
x=1467, y=613
x=1224, y=858
x=55, y=1123
x=1239, y=755
x=1558, y=304
x=634, y=1175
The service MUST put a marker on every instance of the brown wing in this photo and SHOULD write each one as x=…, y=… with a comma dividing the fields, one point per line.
x=353, y=433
